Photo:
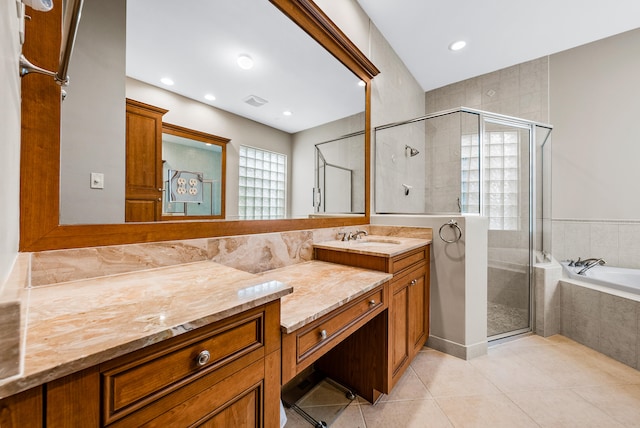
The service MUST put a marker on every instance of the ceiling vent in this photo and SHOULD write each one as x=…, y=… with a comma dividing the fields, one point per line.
x=256, y=101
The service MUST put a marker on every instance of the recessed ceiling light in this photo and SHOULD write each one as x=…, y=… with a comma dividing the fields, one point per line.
x=210, y=97
x=245, y=62
x=457, y=45
x=167, y=81
x=362, y=83
x=287, y=113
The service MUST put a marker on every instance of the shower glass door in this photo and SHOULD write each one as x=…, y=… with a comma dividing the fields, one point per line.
x=506, y=177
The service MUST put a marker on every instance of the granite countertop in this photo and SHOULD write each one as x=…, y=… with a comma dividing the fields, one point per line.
x=385, y=246
x=75, y=325
x=320, y=287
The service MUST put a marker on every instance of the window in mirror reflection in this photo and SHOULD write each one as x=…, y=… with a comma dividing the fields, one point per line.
x=192, y=174
x=262, y=184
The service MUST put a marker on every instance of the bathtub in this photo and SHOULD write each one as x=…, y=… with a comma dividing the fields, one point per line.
x=599, y=310
x=623, y=279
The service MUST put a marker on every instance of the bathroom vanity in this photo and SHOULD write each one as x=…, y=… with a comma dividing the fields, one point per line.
x=201, y=341
x=407, y=260
x=359, y=312
x=192, y=344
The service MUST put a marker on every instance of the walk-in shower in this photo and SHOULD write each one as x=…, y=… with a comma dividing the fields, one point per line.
x=476, y=163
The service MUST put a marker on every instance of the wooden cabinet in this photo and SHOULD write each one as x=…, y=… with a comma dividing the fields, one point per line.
x=143, y=191
x=223, y=374
x=408, y=314
x=22, y=410
x=305, y=345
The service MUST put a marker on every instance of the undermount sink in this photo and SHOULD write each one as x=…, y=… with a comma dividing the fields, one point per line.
x=374, y=241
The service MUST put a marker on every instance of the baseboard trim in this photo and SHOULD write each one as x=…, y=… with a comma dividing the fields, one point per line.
x=465, y=352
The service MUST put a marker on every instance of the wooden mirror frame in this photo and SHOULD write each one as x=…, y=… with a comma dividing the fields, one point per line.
x=221, y=142
x=40, y=227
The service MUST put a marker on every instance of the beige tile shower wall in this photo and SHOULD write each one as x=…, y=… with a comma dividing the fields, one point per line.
x=521, y=90
x=617, y=242
x=395, y=168
x=443, y=164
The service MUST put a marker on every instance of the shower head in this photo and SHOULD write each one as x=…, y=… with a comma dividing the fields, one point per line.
x=411, y=151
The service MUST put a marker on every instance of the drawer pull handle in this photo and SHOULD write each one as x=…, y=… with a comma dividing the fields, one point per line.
x=413, y=282
x=372, y=302
x=323, y=334
x=203, y=358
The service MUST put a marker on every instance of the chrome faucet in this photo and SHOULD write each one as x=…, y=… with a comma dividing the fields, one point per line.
x=359, y=234
x=589, y=263
x=345, y=236
x=351, y=236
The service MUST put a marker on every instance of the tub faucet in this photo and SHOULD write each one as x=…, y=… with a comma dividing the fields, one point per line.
x=589, y=263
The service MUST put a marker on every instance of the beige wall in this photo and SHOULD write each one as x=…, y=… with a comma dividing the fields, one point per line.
x=92, y=131
x=395, y=93
x=595, y=90
x=520, y=91
x=9, y=137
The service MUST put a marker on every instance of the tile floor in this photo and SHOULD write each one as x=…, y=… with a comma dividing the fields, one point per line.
x=528, y=382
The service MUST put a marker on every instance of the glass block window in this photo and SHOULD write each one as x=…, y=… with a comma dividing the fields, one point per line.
x=470, y=163
x=262, y=184
x=501, y=178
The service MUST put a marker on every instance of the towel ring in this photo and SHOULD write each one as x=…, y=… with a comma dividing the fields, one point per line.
x=454, y=225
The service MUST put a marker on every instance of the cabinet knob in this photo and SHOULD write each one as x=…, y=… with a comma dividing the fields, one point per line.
x=413, y=282
x=372, y=302
x=323, y=334
x=159, y=189
x=159, y=199
x=203, y=358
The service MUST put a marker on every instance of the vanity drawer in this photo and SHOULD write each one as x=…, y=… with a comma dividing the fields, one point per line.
x=325, y=330
x=408, y=259
x=131, y=383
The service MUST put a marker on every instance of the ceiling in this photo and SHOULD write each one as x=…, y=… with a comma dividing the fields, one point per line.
x=196, y=44
x=499, y=33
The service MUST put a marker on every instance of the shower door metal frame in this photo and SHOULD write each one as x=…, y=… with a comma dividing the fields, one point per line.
x=509, y=121
x=530, y=127
x=318, y=198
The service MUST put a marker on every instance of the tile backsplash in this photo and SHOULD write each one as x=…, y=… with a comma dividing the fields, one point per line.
x=616, y=241
x=251, y=253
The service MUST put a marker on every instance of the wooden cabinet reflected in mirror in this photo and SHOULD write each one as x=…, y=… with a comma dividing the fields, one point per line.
x=172, y=172
x=143, y=176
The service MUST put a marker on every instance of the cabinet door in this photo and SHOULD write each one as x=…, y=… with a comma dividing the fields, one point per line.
x=143, y=162
x=243, y=412
x=22, y=410
x=418, y=295
x=399, y=325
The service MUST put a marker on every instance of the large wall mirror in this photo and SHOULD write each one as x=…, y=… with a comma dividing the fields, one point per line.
x=290, y=96
x=303, y=95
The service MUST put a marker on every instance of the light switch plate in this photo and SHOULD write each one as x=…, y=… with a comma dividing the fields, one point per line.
x=97, y=180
